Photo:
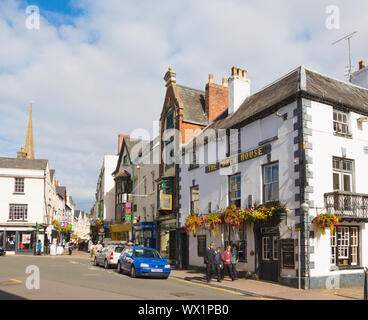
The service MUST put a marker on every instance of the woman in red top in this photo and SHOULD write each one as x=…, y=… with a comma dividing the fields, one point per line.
x=226, y=258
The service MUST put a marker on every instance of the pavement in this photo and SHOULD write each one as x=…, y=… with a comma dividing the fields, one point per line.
x=268, y=290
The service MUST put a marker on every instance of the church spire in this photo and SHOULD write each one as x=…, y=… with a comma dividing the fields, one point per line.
x=29, y=147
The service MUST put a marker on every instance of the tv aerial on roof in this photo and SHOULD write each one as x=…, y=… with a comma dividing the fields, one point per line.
x=348, y=37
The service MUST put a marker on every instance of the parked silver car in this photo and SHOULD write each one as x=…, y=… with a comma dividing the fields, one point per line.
x=108, y=256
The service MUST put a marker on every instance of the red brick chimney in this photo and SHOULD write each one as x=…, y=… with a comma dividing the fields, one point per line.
x=120, y=140
x=216, y=98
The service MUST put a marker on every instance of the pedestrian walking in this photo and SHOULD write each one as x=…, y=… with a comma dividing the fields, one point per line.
x=226, y=258
x=39, y=247
x=99, y=246
x=218, y=264
x=209, y=260
x=70, y=247
x=234, y=260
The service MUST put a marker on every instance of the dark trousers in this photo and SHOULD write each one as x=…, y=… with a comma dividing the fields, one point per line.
x=218, y=271
x=233, y=269
x=229, y=270
x=210, y=270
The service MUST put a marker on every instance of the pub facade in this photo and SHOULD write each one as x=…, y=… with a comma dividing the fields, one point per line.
x=299, y=143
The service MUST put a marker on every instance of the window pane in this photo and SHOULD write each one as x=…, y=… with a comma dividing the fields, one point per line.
x=336, y=181
x=275, y=191
x=347, y=182
x=275, y=173
x=268, y=191
x=267, y=174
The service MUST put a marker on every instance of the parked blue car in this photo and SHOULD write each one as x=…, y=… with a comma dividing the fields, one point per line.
x=142, y=261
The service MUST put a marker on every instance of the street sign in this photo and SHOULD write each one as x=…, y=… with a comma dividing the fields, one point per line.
x=298, y=229
x=102, y=230
x=128, y=217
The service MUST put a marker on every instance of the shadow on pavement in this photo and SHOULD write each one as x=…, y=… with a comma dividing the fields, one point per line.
x=9, y=296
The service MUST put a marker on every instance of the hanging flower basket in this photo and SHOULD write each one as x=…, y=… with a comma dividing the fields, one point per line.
x=192, y=222
x=212, y=221
x=326, y=220
x=232, y=216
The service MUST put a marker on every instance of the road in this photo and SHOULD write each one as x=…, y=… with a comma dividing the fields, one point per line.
x=73, y=278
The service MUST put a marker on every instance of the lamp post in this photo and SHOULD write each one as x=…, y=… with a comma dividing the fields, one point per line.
x=305, y=208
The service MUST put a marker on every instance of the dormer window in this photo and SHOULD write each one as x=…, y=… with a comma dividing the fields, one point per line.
x=341, y=122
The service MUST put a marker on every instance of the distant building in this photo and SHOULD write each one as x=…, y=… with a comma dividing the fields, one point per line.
x=81, y=224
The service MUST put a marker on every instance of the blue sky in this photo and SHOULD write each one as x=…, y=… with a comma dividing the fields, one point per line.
x=95, y=68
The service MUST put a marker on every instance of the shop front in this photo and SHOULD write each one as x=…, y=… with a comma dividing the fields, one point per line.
x=19, y=240
x=146, y=234
x=167, y=239
x=121, y=231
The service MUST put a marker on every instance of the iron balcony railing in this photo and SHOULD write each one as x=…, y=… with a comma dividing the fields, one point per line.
x=347, y=204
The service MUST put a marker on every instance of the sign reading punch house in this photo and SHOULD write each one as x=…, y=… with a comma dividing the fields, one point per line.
x=251, y=154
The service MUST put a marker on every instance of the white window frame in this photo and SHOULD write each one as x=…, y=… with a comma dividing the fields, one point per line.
x=194, y=202
x=341, y=122
x=341, y=172
x=272, y=182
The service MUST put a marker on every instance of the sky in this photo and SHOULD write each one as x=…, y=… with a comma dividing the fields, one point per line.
x=95, y=69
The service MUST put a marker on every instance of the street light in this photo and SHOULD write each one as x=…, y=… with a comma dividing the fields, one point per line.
x=305, y=207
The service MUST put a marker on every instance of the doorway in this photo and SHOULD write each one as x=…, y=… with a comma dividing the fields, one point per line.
x=10, y=241
x=268, y=253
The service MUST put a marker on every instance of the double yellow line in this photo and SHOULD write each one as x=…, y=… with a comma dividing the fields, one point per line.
x=12, y=281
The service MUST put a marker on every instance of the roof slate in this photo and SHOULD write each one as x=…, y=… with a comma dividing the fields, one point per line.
x=31, y=164
x=303, y=82
x=193, y=104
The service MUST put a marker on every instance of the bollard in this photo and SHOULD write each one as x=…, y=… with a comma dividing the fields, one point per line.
x=366, y=284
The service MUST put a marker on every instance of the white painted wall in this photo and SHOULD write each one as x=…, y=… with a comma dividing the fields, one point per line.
x=33, y=194
x=325, y=146
x=109, y=166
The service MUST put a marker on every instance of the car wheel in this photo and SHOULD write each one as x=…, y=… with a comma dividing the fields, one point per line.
x=106, y=265
x=132, y=272
x=118, y=268
x=95, y=262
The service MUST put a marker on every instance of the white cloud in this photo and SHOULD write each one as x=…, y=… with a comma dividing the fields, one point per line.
x=102, y=75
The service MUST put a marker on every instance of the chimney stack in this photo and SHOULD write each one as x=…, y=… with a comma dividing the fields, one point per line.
x=21, y=154
x=360, y=77
x=239, y=88
x=216, y=98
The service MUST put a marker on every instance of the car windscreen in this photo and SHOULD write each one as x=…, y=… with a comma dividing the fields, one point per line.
x=119, y=249
x=146, y=253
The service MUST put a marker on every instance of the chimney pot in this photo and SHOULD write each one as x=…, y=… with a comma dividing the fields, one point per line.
x=244, y=74
x=224, y=82
x=361, y=65
x=233, y=71
x=210, y=78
